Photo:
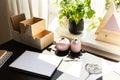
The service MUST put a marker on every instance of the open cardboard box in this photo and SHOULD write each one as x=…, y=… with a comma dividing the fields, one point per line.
x=32, y=32
x=15, y=20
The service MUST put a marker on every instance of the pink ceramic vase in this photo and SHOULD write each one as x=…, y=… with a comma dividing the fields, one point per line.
x=75, y=45
x=62, y=44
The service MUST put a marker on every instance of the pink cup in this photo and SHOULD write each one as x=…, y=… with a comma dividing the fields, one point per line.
x=62, y=44
x=75, y=45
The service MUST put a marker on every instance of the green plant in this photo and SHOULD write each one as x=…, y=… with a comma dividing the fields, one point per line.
x=75, y=10
x=116, y=2
x=94, y=23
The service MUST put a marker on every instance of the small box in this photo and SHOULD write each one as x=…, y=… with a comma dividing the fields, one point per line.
x=40, y=41
x=32, y=26
x=33, y=33
x=44, y=38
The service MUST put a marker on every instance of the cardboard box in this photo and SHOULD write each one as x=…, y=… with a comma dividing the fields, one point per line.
x=32, y=26
x=40, y=41
x=15, y=21
x=33, y=33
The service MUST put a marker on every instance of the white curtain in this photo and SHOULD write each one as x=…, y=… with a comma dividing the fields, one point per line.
x=99, y=7
x=31, y=8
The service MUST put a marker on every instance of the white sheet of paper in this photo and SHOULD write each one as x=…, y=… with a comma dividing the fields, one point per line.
x=43, y=64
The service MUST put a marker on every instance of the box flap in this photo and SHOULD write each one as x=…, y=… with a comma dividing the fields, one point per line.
x=16, y=20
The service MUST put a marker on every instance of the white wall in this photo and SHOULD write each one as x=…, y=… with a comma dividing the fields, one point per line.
x=4, y=25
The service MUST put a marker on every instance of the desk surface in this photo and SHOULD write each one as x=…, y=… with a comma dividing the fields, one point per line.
x=73, y=70
x=17, y=49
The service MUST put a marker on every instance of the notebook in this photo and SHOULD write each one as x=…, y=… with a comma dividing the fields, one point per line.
x=4, y=56
x=36, y=63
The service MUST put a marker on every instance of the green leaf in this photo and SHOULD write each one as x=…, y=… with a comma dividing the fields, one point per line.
x=75, y=10
x=56, y=2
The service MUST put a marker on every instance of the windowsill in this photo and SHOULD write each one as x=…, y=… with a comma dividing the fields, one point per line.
x=88, y=39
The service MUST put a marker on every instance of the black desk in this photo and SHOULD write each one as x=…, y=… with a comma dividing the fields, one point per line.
x=17, y=48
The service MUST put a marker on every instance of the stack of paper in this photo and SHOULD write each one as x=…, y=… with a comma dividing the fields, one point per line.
x=4, y=56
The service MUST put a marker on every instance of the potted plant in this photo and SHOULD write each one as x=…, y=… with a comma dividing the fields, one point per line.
x=75, y=11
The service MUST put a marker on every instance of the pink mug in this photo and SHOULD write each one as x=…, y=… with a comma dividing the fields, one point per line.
x=62, y=44
x=75, y=45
